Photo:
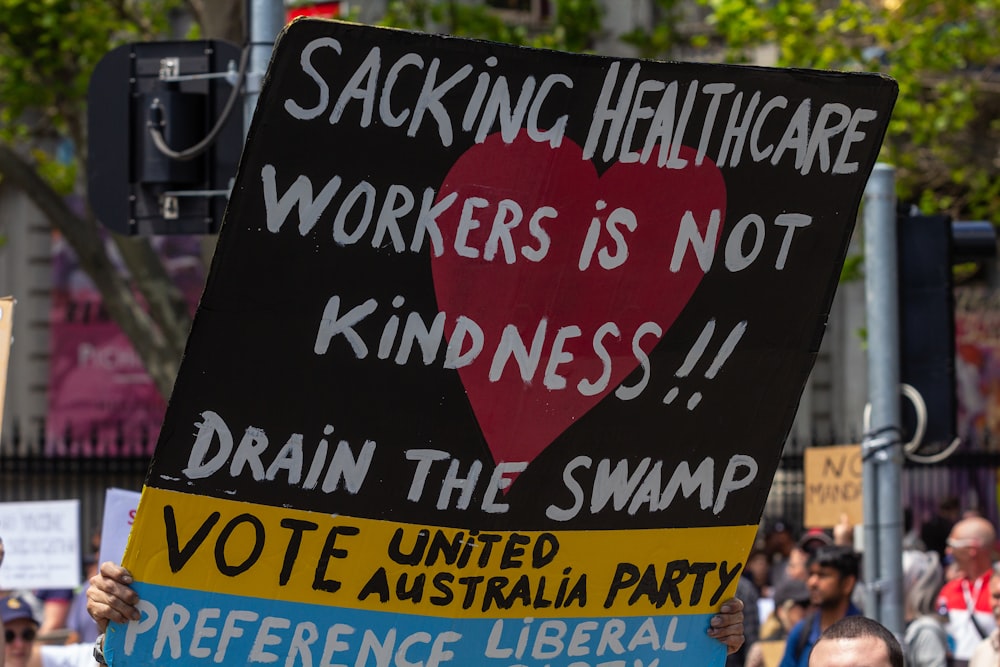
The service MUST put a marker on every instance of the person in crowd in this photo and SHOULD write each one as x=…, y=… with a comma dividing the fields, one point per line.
x=987, y=652
x=833, y=572
x=813, y=539
x=843, y=532
x=911, y=536
x=20, y=629
x=965, y=600
x=111, y=598
x=22, y=646
x=925, y=639
x=81, y=626
x=748, y=590
x=758, y=571
x=856, y=641
x=797, y=565
x=935, y=531
x=3, y=638
x=779, y=540
x=791, y=601
x=55, y=608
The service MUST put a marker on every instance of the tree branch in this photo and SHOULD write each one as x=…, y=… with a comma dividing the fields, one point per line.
x=83, y=236
x=166, y=302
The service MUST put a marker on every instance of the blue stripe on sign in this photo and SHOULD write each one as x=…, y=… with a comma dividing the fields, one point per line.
x=184, y=627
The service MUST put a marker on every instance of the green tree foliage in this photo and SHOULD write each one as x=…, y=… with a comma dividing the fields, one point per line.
x=573, y=25
x=48, y=48
x=945, y=133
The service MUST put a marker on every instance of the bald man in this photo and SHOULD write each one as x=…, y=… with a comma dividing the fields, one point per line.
x=966, y=599
x=856, y=641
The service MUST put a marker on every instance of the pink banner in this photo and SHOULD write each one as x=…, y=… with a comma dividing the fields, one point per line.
x=977, y=361
x=101, y=400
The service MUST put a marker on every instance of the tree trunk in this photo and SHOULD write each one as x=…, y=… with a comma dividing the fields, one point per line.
x=151, y=344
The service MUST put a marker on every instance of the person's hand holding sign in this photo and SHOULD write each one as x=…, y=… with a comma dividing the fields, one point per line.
x=727, y=625
x=110, y=596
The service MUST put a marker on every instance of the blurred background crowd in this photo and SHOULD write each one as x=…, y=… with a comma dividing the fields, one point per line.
x=799, y=581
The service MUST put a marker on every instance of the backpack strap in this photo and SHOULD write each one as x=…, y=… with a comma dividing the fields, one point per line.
x=803, y=638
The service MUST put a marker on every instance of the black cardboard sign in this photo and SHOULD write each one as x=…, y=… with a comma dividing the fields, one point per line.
x=495, y=336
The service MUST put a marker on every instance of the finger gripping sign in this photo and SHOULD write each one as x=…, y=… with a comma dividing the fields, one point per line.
x=496, y=356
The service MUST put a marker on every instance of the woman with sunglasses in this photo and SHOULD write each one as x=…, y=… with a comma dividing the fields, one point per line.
x=23, y=650
x=19, y=631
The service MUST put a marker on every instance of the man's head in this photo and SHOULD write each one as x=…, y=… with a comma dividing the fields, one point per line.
x=950, y=508
x=971, y=543
x=856, y=641
x=20, y=628
x=995, y=591
x=922, y=580
x=833, y=571
x=798, y=564
x=778, y=538
x=791, y=601
x=813, y=539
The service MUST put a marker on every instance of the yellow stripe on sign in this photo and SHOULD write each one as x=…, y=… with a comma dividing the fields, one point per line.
x=238, y=548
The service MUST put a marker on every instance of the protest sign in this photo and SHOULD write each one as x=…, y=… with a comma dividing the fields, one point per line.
x=772, y=651
x=6, y=328
x=496, y=356
x=41, y=543
x=833, y=485
x=116, y=523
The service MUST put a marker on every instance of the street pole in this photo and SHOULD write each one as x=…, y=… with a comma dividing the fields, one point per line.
x=881, y=448
x=265, y=19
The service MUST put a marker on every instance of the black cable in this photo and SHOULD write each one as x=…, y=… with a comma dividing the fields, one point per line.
x=201, y=146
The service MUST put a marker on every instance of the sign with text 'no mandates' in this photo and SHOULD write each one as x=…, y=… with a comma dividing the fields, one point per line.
x=497, y=355
x=833, y=485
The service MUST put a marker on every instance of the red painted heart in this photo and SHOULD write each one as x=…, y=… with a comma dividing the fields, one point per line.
x=507, y=260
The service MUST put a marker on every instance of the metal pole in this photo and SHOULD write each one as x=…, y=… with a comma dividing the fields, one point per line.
x=881, y=447
x=265, y=19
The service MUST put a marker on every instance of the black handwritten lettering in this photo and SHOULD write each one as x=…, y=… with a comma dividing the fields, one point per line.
x=699, y=570
x=297, y=526
x=417, y=551
x=320, y=582
x=251, y=558
x=682, y=582
x=416, y=592
x=545, y=550
x=449, y=550
x=726, y=576
x=377, y=584
x=471, y=584
x=677, y=571
x=626, y=576
x=178, y=557
x=441, y=582
x=512, y=550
